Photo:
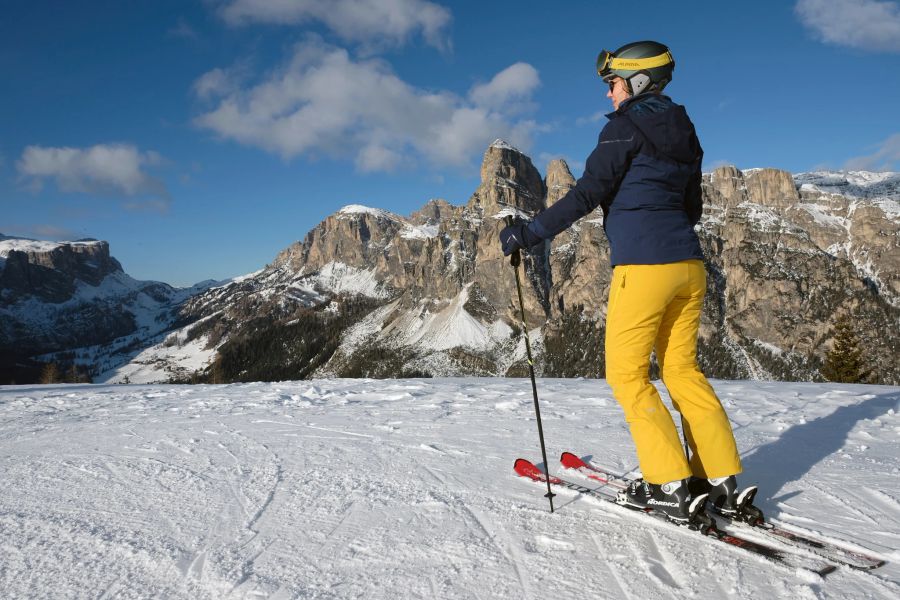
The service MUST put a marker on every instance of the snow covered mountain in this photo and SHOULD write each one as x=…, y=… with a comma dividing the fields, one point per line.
x=404, y=489
x=371, y=293
x=56, y=297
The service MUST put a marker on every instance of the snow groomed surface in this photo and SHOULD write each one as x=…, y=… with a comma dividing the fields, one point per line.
x=403, y=489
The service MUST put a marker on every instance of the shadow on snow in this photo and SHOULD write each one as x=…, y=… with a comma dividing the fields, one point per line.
x=801, y=447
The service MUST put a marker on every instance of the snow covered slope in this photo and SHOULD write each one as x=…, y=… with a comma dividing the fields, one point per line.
x=405, y=489
x=884, y=187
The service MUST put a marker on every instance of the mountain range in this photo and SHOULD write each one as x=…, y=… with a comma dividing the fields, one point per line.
x=369, y=293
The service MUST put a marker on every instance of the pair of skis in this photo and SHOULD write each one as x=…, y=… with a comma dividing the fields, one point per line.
x=812, y=554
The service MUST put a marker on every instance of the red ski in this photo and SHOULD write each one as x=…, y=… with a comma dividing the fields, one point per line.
x=525, y=468
x=824, y=548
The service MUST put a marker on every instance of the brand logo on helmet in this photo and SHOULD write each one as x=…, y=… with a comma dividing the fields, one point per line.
x=626, y=63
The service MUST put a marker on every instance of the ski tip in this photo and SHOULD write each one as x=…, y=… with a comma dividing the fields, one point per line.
x=525, y=468
x=571, y=461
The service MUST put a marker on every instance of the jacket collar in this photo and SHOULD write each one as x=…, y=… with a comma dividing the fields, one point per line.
x=627, y=104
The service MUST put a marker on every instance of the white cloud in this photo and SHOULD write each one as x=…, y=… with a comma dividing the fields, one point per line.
x=220, y=82
x=885, y=158
x=865, y=24
x=365, y=21
x=214, y=83
x=104, y=169
x=322, y=101
x=506, y=89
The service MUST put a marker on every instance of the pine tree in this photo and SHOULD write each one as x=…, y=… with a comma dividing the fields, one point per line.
x=50, y=373
x=844, y=362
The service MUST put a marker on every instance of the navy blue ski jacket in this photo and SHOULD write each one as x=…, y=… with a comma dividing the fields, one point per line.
x=645, y=175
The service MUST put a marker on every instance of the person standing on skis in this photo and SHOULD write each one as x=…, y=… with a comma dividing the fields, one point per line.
x=645, y=174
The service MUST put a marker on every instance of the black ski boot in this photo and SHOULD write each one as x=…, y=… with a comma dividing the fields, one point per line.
x=727, y=500
x=671, y=499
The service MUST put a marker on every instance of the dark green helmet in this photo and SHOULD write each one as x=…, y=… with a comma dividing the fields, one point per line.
x=645, y=66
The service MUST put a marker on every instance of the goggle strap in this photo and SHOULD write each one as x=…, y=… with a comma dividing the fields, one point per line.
x=636, y=64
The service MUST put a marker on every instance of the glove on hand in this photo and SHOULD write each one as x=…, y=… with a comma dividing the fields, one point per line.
x=517, y=236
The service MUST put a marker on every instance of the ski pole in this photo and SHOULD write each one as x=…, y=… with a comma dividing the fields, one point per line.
x=515, y=259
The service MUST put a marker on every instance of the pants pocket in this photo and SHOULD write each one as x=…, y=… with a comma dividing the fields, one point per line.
x=616, y=287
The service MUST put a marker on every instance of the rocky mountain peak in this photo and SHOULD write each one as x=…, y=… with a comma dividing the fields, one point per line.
x=50, y=270
x=508, y=179
x=434, y=211
x=725, y=185
x=767, y=187
x=559, y=180
x=771, y=187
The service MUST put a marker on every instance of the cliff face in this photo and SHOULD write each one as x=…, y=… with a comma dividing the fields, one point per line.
x=49, y=272
x=789, y=259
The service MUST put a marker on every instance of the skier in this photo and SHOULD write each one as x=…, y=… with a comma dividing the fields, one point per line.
x=645, y=174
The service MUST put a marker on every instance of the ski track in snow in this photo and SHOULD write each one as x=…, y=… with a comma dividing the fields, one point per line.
x=405, y=489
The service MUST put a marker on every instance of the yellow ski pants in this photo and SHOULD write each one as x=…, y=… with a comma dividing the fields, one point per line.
x=659, y=306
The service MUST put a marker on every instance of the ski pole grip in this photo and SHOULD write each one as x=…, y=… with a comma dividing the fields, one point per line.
x=515, y=257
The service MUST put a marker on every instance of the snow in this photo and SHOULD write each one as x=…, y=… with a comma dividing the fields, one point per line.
x=450, y=327
x=359, y=209
x=8, y=244
x=420, y=232
x=240, y=278
x=823, y=217
x=763, y=216
x=875, y=189
x=770, y=347
x=511, y=211
x=162, y=362
x=340, y=278
x=405, y=489
x=503, y=145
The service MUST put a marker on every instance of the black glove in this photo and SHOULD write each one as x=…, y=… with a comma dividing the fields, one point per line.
x=517, y=236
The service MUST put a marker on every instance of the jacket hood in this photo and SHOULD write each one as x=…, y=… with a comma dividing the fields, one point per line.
x=666, y=125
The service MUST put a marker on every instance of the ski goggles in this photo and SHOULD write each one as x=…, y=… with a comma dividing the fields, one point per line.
x=603, y=63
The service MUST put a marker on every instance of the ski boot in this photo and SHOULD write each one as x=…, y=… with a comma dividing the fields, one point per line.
x=727, y=500
x=671, y=499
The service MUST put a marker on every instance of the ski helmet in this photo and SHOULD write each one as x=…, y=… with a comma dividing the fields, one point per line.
x=645, y=66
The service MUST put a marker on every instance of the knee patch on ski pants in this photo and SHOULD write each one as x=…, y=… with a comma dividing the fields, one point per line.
x=658, y=306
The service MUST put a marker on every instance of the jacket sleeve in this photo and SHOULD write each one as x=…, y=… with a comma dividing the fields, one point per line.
x=693, y=194
x=604, y=170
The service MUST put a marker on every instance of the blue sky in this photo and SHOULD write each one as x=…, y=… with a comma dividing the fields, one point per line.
x=201, y=137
